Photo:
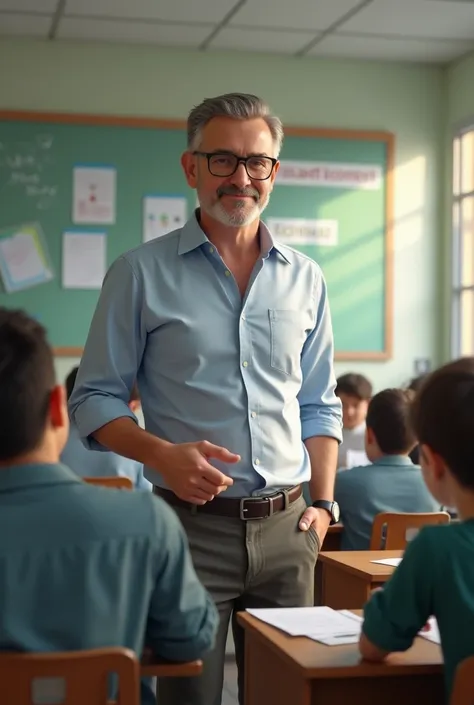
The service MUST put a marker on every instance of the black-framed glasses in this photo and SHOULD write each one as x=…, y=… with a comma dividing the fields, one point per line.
x=226, y=164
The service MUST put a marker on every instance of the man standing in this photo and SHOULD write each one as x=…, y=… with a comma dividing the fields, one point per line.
x=229, y=336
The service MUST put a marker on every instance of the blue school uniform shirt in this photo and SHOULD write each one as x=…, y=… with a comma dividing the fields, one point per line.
x=90, y=463
x=85, y=567
x=392, y=484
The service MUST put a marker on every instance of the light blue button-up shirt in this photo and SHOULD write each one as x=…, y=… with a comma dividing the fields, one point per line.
x=392, y=484
x=86, y=567
x=90, y=463
x=252, y=374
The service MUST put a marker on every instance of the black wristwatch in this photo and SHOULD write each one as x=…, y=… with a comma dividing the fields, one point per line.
x=332, y=509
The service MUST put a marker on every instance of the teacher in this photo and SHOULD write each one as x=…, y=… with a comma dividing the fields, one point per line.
x=228, y=334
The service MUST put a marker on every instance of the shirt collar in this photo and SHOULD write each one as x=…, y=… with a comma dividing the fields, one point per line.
x=19, y=477
x=192, y=237
x=395, y=460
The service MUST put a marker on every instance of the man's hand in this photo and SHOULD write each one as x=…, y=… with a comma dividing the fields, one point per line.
x=319, y=519
x=188, y=473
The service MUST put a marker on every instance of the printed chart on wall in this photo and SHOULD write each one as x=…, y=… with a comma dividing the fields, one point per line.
x=332, y=201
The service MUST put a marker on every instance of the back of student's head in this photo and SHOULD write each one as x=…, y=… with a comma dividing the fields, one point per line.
x=416, y=383
x=389, y=418
x=354, y=385
x=71, y=381
x=443, y=417
x=26, y=381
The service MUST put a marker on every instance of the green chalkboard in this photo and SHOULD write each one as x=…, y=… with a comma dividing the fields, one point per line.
x=38, y=153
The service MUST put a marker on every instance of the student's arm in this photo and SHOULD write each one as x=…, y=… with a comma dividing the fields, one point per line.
x=394, y=615
x=182, y=619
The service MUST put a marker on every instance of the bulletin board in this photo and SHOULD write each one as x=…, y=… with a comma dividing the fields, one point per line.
x=39, y=152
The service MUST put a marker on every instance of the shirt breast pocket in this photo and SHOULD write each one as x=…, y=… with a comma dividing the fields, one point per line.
x=287, y=337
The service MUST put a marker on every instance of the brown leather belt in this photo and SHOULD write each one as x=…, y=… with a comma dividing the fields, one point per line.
x=244, y=508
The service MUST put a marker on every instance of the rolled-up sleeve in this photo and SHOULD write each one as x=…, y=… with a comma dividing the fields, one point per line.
x=182, y=620
x=112, y=354
x=321, y=411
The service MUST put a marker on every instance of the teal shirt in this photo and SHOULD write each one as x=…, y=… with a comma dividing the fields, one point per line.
x=90, y=463
x=435, y=578
x=85, y=567
x=392, y=484
x=252, y=374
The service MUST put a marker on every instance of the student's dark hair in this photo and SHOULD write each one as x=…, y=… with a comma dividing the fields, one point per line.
x=443, y=417
x=26, y=381
x=415, y=384
x=389, y=417
x=354, y=385
x=71, y=381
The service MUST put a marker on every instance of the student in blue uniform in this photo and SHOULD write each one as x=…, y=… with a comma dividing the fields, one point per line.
x=82, y=567
x=436, y=575
x=354, y=391
x=392, y=483
x=90, y=463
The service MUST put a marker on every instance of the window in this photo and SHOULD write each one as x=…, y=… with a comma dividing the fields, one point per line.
x=463, y=245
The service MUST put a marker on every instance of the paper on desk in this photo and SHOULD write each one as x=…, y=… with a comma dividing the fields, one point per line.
x=341, y=639
x=312, y=622
x=433, y=633
x=388, y=561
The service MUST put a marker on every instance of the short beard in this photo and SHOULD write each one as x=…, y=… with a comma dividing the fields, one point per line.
x=239, y=217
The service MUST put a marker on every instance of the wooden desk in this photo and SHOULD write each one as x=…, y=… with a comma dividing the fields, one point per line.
x=349, y=576
x=153, y=667
x=284, y=670
x=332, y=542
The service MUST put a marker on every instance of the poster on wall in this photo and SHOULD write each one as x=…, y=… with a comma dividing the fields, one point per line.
x=84, y=259
x=94, y=188
x=303, y=231
x=329, y=174
x=162, y=214
x=24, y=257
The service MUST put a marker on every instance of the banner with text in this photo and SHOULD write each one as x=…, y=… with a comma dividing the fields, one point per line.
x=302, y=231
x=330, y=174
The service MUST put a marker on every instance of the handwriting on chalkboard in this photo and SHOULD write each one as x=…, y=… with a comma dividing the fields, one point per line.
x=26, y=166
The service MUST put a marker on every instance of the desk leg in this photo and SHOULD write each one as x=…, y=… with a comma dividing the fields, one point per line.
x=269, y=679
x=342, y=590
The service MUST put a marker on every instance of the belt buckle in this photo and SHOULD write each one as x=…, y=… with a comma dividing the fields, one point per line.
x=251, y=499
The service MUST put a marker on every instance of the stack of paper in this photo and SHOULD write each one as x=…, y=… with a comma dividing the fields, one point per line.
x=389, y=561
x=319, y=623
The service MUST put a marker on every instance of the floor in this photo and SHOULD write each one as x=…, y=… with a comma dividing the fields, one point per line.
x=229, y=694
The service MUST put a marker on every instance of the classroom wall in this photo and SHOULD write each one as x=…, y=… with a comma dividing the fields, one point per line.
x=404, y=99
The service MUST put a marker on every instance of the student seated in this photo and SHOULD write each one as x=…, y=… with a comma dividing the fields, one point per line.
x=90, y=463
x=354, y=391
x=436, y=575
x=392, y=483
x=415, y=386
x=82, y=567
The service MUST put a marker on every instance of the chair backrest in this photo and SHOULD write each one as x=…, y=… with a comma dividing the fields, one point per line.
x=72, y=678
x=392, y=531
x=123, y=483
x=463, y=688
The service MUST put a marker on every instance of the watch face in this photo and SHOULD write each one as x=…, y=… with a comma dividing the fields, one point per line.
x=336, y=512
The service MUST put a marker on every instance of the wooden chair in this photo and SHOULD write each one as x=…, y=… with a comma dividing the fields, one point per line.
x=463, y=688
x=75, y=677
x=123, y=483
x=401, y=528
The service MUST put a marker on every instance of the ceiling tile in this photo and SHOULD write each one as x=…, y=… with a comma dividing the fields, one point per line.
x=24, y=25
x=29, y=5
x=423, y=51
x=415, y=18
x=260, y=40
x=296, y=14
x=133, y=32
x=206, y=11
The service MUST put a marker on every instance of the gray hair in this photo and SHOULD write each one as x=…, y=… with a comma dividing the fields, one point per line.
x=239, y=106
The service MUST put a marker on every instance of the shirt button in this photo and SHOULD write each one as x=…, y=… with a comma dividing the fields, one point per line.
x=257, y=461
x=245, y=363
x=227, y=273
x=253, y=414
x=211, y=250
